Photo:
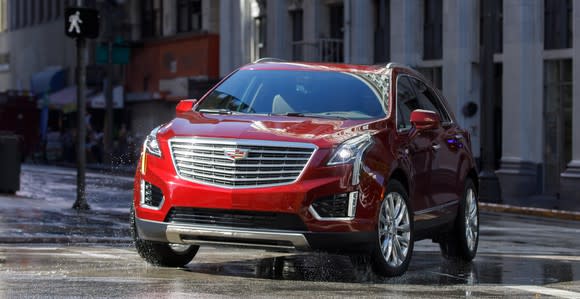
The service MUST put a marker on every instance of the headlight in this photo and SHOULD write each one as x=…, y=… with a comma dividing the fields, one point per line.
x=349, y=150
x=352, y=150
x=151, y=143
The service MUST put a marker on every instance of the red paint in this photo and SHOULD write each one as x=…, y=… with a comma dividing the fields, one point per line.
x=185, y=106
x=434, y=178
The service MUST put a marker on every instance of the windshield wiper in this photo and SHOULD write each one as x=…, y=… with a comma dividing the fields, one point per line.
x=297, y=114
x=314, y=115
x=216, y=111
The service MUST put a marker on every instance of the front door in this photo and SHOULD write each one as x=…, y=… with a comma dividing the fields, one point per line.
x=445, y=145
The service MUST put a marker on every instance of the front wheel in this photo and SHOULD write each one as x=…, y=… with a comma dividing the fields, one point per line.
x=461, y=243
x=393, y=247
x=159, y=253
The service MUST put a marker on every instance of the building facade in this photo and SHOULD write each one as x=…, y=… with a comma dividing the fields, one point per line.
x=181, y=47
x=32, y=40
x=537, y=69
x=175, y=55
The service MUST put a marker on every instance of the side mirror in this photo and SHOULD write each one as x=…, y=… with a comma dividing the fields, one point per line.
x=424, y=119
x=185, y=106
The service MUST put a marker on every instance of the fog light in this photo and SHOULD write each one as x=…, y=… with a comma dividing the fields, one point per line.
x=335, y=207
x=151, y=196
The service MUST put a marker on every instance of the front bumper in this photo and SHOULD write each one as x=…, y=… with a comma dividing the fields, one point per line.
x=276, y=239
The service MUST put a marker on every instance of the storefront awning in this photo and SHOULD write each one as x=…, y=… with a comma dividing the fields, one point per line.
x=48, y=80
x=65, y=99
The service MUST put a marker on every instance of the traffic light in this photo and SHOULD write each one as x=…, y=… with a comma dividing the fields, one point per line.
x=81, y=22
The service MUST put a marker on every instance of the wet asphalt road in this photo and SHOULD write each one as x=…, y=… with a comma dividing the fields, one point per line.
x=519, y=256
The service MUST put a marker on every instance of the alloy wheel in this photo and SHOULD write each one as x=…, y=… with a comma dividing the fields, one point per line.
x=394, y=229
x=471, y=220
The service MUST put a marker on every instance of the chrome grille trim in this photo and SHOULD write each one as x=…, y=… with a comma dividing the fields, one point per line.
x=268, y=163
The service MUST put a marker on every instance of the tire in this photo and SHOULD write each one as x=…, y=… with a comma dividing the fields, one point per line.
x=159, y=253
x=392, y=251
x=461, y=243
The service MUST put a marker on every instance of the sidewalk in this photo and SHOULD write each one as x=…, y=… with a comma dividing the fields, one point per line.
x=25, y=220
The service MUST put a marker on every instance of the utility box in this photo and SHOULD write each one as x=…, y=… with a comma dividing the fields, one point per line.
x=9, y=163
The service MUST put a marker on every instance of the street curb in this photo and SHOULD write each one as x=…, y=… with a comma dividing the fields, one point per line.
x=559, y=214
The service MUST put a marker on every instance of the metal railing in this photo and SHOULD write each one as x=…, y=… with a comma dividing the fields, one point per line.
x=323, y=50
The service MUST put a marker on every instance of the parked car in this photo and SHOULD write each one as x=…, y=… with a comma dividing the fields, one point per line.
x=358, y=160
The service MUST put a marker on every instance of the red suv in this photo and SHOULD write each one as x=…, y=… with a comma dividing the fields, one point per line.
x=359, y=160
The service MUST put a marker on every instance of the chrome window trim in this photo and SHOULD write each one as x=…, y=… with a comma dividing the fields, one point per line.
x=242, y=142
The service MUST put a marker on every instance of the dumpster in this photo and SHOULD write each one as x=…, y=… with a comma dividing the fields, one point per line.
x=9, y=163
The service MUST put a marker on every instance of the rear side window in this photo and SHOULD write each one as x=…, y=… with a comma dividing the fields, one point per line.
x=317, y=93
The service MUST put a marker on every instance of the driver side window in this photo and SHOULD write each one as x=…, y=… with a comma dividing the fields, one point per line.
x=406, y=102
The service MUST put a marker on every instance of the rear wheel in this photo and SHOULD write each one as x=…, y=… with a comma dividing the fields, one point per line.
x=461, y=243
x=393, y=247
x=159, y=253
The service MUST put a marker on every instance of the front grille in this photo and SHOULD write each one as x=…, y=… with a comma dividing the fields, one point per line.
x=236, y=218
x=239, y=163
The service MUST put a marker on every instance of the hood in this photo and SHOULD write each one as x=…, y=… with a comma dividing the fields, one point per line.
x=322, y=132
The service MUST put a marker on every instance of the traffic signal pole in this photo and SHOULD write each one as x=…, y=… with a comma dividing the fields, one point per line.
x=81, y=201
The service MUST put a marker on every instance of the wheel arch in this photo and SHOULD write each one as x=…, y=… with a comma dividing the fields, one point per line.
x=472, y=174
x=400, y=175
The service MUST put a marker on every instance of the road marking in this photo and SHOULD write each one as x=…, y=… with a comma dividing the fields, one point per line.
x=547, y=291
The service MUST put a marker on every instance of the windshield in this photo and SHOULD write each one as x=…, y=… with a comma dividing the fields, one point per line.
x=299, y=93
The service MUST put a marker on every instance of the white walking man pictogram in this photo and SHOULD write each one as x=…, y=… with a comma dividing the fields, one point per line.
x=75, y=21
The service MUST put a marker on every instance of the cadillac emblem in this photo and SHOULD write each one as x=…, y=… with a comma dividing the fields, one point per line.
x=236, y=153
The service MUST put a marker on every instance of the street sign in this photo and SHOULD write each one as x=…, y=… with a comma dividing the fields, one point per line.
x=81, y=22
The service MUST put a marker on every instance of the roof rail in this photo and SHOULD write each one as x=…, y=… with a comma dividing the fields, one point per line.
x=396, y=64
x=269, y=59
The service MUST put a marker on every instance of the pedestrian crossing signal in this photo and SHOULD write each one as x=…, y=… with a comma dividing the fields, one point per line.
x=81, y=22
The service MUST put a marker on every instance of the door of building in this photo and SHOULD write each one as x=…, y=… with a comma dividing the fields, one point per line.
x=557, y=121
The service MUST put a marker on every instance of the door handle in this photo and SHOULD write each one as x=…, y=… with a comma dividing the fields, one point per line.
x=436, y=147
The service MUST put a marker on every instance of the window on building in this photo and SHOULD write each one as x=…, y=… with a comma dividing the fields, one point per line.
x=498, y=41
x=336, y=20
x=382, y=31
x=58, y=8
x=433, y=29
x=331, y=49
x=4, y=62
x=433, y=74
x=151, y=18
x=498, y=25
x=260, y=31
x=3, y=15
x=297, y=18
x=188, y=15
x=557, y=24
x=33, y=12
x=24, y=13
x=42, y=11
